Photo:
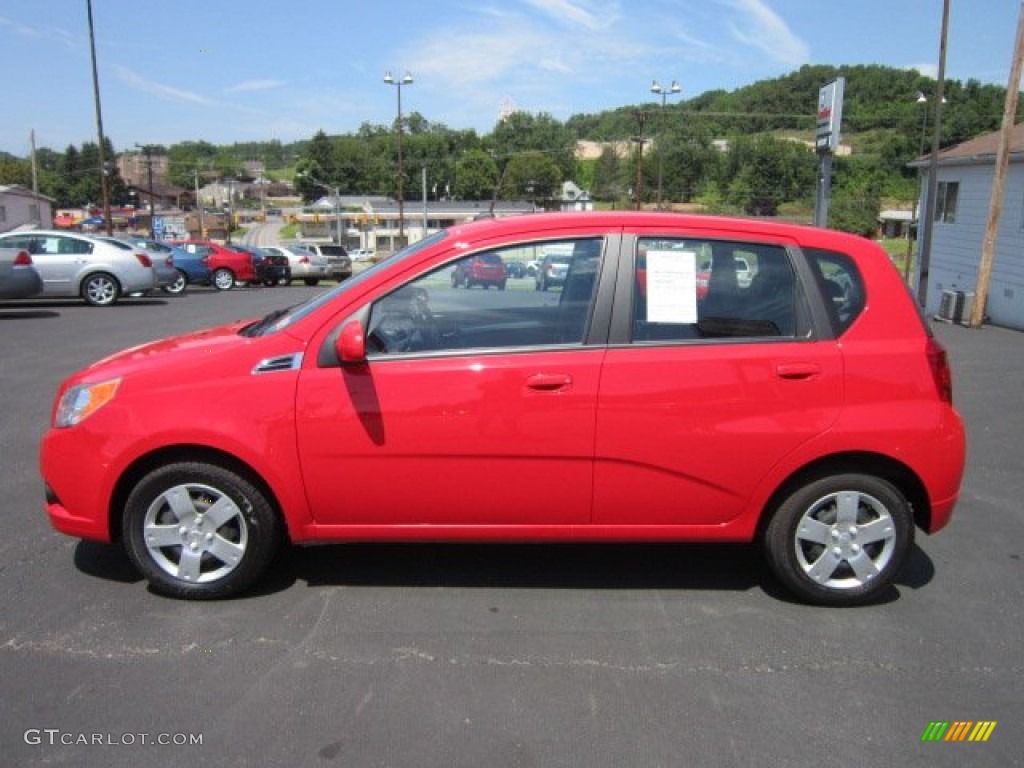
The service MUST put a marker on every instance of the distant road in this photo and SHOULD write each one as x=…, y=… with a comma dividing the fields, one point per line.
x=264, y=234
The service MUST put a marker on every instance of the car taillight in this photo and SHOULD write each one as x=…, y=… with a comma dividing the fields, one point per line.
x=23, y=260
x=938, y=361
x=143, y=259
x=205, y=260
x=304, y=260
x=169, y=261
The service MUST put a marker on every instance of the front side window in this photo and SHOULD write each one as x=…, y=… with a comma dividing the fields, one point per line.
x=477, y=302
x=705, y=289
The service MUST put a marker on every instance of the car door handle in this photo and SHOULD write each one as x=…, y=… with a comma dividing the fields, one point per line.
x=797, y=371
x=549, y=382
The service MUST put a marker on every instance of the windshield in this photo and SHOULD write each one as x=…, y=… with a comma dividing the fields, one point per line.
x=281, y=319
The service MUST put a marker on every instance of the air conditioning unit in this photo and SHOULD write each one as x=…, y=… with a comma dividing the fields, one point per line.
x=956, y=306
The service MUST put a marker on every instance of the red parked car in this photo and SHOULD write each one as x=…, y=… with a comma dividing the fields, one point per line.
x=227, y=265
x=802, y=404
x=487, y=269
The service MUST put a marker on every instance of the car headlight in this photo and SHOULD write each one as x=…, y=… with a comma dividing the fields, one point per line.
x=83, y=400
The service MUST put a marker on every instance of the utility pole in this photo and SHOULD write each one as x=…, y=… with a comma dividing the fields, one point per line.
x=928, y=209
x=199, y=204
x=995, y=207
x=104, y=181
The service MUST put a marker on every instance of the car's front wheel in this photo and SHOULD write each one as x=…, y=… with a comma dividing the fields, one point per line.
x=311, y=281
x=199, y=531
x=100, y=289
x=841, y=539
x=223, y=279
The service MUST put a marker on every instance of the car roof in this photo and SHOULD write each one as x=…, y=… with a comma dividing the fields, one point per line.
x=535, y=224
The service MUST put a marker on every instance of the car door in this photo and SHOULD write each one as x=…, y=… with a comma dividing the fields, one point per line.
x=474, y=408
x=706, y=394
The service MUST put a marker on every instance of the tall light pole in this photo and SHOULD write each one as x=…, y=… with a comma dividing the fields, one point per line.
x=656, y=88
x=407, y=80
x=641, y=118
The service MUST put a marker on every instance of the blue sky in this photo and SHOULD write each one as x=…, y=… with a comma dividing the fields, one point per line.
x=227, y=70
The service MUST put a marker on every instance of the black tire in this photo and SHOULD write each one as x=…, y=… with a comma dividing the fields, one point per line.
x=100, y=289
x=178, y=286
x=223, y=279
x=840, y=540
x=311, y=281
x=228, y=522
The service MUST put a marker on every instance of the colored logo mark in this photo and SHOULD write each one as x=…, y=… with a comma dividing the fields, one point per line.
x=958, y=730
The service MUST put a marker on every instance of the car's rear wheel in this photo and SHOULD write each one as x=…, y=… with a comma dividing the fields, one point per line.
x=178, y=286
x=311, y=281
x=199, y=531
x=841, y=539
x=100, y=289
x=223, y=279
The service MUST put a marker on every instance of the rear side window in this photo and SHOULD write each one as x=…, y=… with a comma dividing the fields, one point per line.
x=841, y=284
x=708, y=289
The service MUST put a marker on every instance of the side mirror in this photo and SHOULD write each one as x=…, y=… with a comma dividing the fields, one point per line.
x=351, y=344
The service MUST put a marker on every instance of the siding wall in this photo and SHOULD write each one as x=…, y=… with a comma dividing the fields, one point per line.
x=956, y=247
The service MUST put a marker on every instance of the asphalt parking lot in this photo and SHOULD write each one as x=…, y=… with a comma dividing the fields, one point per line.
x=539, y=656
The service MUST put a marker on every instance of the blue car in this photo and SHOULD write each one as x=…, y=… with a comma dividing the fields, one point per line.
x=190, y=266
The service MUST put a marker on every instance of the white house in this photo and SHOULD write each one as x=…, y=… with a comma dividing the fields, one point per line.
x=965, y=175
x=21, y=207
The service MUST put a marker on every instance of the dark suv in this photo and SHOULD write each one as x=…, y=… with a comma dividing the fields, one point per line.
x=486, y=269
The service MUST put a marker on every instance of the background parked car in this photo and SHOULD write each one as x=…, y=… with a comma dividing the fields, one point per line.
x=551, y=272
x=361, y=254
x=78, y=265
x=18, y=278
x=168, y=278
x=190, y=266
x=228, y=266
x=305, y=265
x=271, y=268
x=337, y=257
x=486, y=269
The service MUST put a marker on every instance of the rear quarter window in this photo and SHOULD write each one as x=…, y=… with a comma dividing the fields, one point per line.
x=841, y=285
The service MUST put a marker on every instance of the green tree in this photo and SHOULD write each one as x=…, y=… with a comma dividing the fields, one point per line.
x=476, y=176
x=532, y=176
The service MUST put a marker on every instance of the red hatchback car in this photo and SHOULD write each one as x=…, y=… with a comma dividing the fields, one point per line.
x=803, y=405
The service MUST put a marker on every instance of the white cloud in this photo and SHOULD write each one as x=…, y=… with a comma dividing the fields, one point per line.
x=137, y=81
x=759, y=26
x=568, y=11
x=256, y=85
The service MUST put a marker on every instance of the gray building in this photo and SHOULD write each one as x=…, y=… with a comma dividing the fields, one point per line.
x=21, y=207
x=965, y=175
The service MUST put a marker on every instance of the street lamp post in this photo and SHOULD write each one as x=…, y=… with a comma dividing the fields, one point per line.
x=657, y=88
x=923, y=101
x=407, y=80
x=641, y=118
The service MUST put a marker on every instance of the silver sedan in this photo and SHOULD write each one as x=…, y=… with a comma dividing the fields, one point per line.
x=73, y=264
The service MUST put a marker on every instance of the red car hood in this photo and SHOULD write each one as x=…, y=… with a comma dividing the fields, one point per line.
x=169, y=351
